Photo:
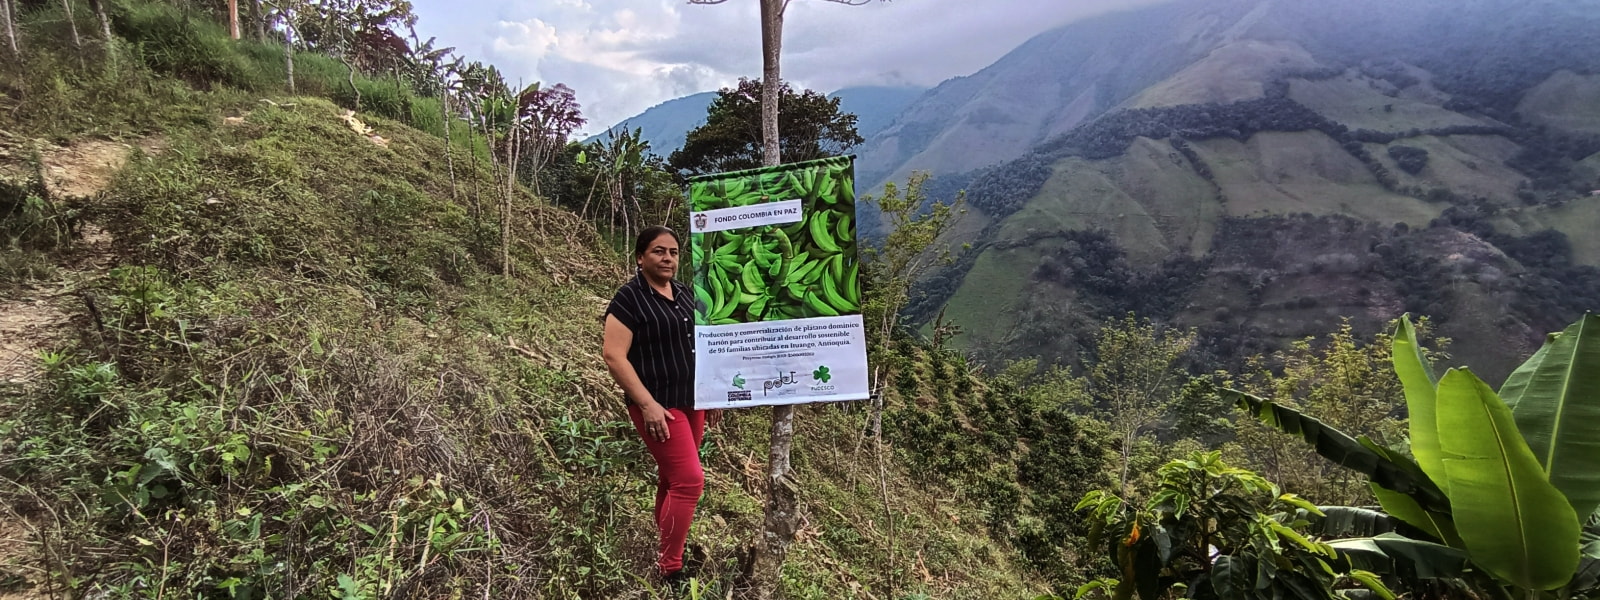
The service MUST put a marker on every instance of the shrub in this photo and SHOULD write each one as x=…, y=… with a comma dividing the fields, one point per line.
x=1410, y=159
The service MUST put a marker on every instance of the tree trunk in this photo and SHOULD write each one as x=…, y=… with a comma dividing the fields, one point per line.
x=622, y=207
x=351, y=68
x=233, y=18
x=288, y=46
x=449, y=156
x=512, y=151
x=477, y=197
x=72, y=24
x=771, y=49
x=260, y=19
x=584, y=213
x=782, y=517
x=99, y=8
x=11, y=29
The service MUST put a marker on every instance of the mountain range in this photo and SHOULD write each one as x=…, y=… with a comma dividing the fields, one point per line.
x=1266, y=170
x=665, y=126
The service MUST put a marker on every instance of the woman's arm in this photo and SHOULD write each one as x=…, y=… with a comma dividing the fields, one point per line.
x=618, y=338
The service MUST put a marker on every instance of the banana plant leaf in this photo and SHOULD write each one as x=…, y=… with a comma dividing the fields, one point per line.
x=1349, y=521
x=1515, y=524
x=1555, y=399
x=1435, y=524
x=1395, y=554
x=1374, y=585
x=1416, y=377
x=1590, y=537
x=1584, y=581
x=1334, y=445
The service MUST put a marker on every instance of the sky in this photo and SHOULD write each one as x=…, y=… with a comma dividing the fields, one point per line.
x=623, y=56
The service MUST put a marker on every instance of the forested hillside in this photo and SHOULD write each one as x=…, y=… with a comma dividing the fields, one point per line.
x=1302, y=164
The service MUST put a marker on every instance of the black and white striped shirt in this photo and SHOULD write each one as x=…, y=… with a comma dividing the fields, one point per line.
x=663, y=339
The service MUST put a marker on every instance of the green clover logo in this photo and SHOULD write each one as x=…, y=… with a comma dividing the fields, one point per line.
x=738, y=380
x=821, y=374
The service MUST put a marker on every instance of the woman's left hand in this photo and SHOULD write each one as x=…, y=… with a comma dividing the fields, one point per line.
x=713, y=417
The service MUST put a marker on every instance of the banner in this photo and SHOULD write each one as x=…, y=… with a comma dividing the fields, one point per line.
x=773, y=256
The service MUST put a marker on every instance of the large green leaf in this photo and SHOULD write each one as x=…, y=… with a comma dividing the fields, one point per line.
x=1515, y=524
x=1555, y=399
x=1516, y=384
x=1334, y=445
x=1416, y=376
x=1396, y=554
x=1346, y=521
x=1432, y=522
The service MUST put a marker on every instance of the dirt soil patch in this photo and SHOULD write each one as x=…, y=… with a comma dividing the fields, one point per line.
x=21, y=574
x=37, y=318
x=27, y=326
x=84, y=169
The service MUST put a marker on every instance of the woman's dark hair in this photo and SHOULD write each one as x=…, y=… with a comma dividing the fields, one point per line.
x=649, y=235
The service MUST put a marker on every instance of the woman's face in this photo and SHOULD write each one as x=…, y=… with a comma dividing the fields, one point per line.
x=660, y=260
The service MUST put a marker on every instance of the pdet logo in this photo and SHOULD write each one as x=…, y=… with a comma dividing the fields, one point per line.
x=778, y=383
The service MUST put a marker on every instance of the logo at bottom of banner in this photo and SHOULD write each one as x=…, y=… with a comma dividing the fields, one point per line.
x=796, y=361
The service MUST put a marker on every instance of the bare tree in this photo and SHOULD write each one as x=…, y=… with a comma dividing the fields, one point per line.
x=290, y=33
x=259, y=18
x=11, y=29
x=99, y=8
x=72, y=24
x=619, y=159
x=782, y=519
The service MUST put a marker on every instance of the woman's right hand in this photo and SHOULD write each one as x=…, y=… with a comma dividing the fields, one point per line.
x=655, y=421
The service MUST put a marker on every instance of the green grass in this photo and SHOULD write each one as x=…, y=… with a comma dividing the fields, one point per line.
x=1277, y=173
x=168, y=68
x=1151, y=198
x=1230, y=73
x=1565, y=101
x=1356, y=101
x=988, y=300
x=1469, y=165
x=1578, y=219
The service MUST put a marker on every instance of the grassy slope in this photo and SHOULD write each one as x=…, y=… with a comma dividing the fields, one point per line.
x=1155, y=204
x=1469, y=165
x=309, y=368
x=1579, y=219
x=1150, y=198
x=1360, y=102
x=1282, y=173
x=1230, y=73
x=1565, y=101
x=988, y=301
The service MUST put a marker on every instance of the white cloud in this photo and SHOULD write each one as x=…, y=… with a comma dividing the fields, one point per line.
x=623, y=56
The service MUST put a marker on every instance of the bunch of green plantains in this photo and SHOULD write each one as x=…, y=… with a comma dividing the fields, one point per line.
x=797, y=270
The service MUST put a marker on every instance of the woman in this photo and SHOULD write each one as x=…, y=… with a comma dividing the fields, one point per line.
x=649, y=349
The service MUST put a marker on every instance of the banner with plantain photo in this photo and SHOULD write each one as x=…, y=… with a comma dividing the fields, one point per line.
x=773, y=257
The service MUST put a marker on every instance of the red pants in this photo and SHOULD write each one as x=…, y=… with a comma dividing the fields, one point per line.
x=679, y=479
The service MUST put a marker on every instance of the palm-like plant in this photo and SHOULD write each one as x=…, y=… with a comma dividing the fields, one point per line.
x=1503, y=487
